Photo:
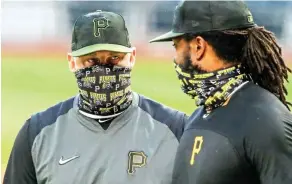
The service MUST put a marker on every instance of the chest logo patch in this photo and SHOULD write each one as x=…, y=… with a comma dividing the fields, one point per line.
x=137, y=159
x=198, y=142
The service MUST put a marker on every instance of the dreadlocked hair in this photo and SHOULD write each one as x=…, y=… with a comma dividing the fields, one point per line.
x=258, y=51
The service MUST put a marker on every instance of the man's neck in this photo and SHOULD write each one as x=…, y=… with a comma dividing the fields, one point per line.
x=215, y=65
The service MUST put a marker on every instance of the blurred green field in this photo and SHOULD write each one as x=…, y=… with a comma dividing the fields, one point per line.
x=32, y=84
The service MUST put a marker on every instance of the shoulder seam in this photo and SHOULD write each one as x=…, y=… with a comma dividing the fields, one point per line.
x=151, y=115
x=169, y=108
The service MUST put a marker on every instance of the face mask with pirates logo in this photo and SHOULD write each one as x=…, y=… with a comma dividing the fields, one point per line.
x=211, y=89
x=105, y=90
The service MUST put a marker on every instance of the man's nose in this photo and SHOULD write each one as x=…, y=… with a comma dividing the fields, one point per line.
x=103, y=61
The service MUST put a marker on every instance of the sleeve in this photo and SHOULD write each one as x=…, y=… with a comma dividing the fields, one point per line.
x=177, y=123
x=174, y=119
x=20, y=168
x=270, y=152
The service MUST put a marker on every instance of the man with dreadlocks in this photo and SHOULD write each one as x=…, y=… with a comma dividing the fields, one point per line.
x=242, y=131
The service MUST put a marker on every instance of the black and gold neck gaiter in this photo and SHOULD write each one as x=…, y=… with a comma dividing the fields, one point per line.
x=211, y=89
x=105, y=91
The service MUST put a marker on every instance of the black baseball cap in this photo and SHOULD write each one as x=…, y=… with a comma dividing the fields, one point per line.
x=100, y=30
x=204, y=16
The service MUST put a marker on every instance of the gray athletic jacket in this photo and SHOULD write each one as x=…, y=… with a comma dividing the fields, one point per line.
x=61, y=146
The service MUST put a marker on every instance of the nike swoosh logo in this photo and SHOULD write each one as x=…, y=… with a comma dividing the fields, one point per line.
x=102, y=121
x=205, y=115
x=62, y=161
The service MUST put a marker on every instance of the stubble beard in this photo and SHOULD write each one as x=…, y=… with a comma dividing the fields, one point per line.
x=188, y=67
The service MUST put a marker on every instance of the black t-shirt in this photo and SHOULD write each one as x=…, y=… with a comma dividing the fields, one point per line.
x=248, y=141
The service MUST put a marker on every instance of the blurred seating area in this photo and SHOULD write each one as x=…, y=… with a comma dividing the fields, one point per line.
x=270, y=14
x=50, y=22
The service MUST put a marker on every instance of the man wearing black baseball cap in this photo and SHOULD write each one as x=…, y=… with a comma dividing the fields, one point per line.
x=105, y=134
x=242, y=130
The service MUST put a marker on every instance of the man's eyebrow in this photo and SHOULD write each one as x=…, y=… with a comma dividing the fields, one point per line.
x=117, y=53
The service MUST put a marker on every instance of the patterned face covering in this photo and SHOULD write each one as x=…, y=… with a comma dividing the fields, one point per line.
x=104, y=90
x=211, y=89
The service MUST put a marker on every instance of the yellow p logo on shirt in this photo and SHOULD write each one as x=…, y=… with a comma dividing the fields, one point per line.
x=196, y=148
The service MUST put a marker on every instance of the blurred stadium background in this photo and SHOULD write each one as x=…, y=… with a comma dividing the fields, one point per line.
x=36, y=38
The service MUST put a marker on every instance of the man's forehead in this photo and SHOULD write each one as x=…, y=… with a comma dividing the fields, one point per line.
x=105, y=52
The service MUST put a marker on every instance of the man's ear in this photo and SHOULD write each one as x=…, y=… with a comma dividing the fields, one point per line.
x=71, y=62
x=133, y=57
x=198, y=47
